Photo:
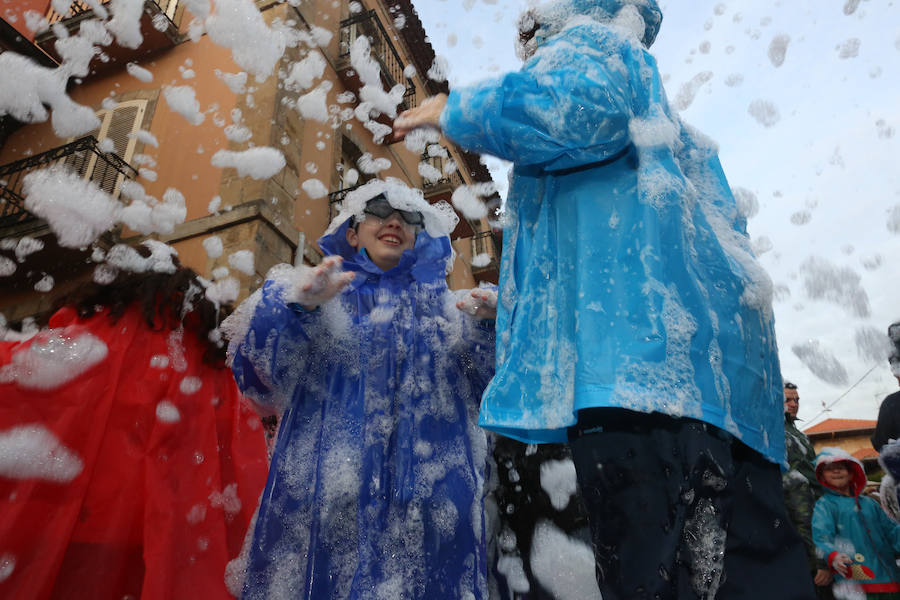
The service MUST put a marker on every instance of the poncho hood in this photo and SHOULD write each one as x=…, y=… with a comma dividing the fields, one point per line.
x=553, y=16
x=830, y=455
x=427, y=262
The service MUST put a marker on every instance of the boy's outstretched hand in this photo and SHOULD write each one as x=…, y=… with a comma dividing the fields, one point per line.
x=427, y=114
x=841, y=563
x=320, y=284
x=481, y=303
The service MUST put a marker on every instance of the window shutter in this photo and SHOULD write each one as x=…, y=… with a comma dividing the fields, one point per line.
x=117, y=126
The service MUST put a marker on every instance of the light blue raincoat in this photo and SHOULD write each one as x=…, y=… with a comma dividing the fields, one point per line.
x=375, y=488
x=856, y=526
x=627, y=278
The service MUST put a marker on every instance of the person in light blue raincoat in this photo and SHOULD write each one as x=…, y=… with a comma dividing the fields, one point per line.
x=853, y=534
x=375, y=487
x=630, y=300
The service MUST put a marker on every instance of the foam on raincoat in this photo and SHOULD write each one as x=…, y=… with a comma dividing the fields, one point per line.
x=375, y=489
x=627, y=278
x=143, y=468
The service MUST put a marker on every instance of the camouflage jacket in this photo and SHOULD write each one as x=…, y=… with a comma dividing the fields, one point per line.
x=801, y=488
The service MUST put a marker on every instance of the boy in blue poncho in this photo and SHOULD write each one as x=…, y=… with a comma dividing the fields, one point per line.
x=375, y=488
x=633, y=320
x=856, y=538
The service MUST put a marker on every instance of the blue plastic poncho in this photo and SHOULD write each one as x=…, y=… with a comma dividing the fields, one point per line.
x=375, y=488
x=627, y=278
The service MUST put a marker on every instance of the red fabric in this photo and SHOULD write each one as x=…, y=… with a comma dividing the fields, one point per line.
x=879, y=588
x=121, y=528
x=869, y=588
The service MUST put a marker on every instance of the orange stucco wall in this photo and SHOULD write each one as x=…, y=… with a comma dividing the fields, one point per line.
x=850, y=443
x=179, y=163
x=13, y=12
x=183, y=158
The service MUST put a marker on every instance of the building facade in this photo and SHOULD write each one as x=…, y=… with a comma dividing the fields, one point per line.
x=852, y=435
x=142, y=138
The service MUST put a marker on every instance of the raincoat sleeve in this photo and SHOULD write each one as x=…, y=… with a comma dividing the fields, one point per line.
x=824, y=528
x=889, y=527
x=272, y=357
x=568, y=107
x=479, y=352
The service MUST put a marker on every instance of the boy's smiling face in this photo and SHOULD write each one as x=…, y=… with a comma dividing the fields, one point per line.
x=385, y=240
x=837, y=476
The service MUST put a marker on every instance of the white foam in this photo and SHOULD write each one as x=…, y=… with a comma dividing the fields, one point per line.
x=34, y=452
x=440, y=218
x=559, y=481
x=243, y=261
x=138, y=72
x=75, y=209
x=53, y=359
x=563, y=565
x=261, y=162
x=314, y=188
x=182, y=99
x=213, y=246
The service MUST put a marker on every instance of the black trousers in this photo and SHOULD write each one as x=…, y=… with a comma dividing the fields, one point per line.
x=681, y=510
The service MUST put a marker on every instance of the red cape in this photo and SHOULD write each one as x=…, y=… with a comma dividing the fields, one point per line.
x=145, y=517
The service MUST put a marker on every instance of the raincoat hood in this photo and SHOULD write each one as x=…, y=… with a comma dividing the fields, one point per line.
x=553, y=16
x=428, y=261
x=830, y=455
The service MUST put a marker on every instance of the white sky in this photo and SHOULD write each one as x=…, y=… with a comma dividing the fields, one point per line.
x=827, y=155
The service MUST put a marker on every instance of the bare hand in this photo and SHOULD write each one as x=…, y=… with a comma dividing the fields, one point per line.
x=320, y=284
x=479, y=303
x=823, y=577
x=841, y=564
x=427, y=114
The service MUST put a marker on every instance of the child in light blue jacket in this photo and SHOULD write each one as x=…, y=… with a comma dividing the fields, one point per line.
x=855, y=536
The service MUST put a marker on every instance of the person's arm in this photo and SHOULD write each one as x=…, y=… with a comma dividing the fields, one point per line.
x=568, y=107
x=271, y=337
x=890, y=528
x=824, y=530
x=885, y=426
x=478, y=336
x=823, y=576
x=479, y=303
x=799, y=501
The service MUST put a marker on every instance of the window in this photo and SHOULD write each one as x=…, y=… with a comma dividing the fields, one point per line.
x=117, y=125
x=350, y=175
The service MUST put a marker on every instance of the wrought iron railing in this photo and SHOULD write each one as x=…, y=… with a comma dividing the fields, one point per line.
x=82, y=7
x=453, y=179
x=335, y=198
x=83, y=156
x=367, y=23
x=484, y=242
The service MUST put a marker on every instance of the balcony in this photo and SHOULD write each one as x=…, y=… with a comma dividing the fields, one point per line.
x=446, y=184
x=159, y=28
x=383, y=51
x=486, y=242
x=335, y=198
x=83, y=156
